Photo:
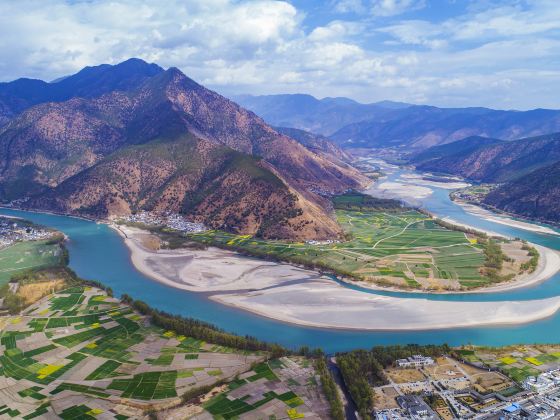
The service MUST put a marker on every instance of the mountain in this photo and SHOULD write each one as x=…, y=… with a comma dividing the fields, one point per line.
x=491, y=160
x=90, y=82
x=458, y=149
x=305, y=112
x=536, y=195
x=160, y=141
x=421, y=127
x=396, y=124
x=317, y=143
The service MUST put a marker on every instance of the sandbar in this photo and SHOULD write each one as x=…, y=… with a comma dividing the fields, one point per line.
x=207, y=270
x=503, y=220
x=326, y=304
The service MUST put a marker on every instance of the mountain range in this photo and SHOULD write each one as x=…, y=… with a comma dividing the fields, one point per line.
x=111, y=140
x=528, y=171
x=394, y=124
x=491, y=160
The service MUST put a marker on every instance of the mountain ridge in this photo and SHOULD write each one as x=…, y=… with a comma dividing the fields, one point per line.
x=393, y=124
x=491, y=160
x=54, y=151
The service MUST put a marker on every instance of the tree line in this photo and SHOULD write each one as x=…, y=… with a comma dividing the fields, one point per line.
x=362, y=369
x=202, y=330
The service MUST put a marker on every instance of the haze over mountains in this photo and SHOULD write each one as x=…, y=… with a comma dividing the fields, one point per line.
x=393, y=124
x=115, y=139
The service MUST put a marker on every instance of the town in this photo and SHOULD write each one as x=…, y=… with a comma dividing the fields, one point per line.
x=422, y=388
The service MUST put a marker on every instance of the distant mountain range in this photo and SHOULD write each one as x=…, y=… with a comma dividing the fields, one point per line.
x=112, y=140
x=536, y=195
x=321, y=116
x=394, y=124
x=491, y=160
x=527, y=169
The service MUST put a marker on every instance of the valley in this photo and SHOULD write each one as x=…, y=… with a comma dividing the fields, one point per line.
x=405, y=250
x=280, y=210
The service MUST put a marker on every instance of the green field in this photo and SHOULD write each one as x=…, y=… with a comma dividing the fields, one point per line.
x=399, y=247
x=27, y=255
x=82, y=324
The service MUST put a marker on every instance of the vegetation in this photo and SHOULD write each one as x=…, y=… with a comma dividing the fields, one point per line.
x=330, y=389
x=532, y=264
x=363, y=369
x=202, y=330
x=24, y=256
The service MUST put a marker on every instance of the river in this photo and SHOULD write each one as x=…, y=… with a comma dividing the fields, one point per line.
x=98, y=253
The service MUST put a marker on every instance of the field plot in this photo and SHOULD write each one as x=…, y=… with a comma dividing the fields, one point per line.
x=285, y=388
x=517, y=362
x=400, y=248
x=27, y=255
x=80, y=353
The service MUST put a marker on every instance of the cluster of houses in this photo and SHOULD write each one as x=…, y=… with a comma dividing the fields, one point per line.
x=416, y=361
x=11, y=231
x=169, y=220
x=325, y=242
x=544, y=382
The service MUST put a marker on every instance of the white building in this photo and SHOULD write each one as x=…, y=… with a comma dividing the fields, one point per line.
x=415, y=361
x=543, y=382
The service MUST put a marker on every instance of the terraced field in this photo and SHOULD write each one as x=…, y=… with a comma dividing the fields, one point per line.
x=402, y=248
x=82, y=354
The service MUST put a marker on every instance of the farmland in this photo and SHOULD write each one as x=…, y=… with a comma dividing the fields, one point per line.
x=517, y=362
x=400, y=248
x=80, y=352
x=27, y=255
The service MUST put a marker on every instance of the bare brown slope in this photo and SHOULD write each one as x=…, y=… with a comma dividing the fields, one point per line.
x=211, y=183
x=63, y=156
x=211, y=116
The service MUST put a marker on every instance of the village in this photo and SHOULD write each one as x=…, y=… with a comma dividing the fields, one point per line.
x=169, y=220
x=421, y=388
x=13, y=230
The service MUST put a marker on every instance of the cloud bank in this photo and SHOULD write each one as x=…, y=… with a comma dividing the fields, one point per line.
x=487, y=53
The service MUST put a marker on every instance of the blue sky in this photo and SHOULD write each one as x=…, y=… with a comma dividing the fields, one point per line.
x=501, y=54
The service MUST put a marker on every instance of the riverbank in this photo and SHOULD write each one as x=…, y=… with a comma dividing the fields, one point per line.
x=220, y=270
x=208, y=270
x=325, y=304
x=294, y=295
x=507, y=221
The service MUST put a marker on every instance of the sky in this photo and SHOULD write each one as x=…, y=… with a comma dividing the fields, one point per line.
x=452, y=53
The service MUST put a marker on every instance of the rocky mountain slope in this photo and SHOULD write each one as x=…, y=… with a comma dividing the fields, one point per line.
x=90, y=82
x=394, y=124
x=305, y=112
x=168, y=143
x=491, y=160
x=536, y=195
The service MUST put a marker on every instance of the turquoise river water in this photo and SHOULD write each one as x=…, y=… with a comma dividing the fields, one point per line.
x=98, y=253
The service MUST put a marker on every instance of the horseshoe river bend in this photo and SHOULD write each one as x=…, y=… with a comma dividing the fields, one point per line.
x=98, y=252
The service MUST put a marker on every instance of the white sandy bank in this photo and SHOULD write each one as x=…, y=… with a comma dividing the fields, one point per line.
x=504, y=220
x=299, y=296
x=328, y=305
x=209, y=270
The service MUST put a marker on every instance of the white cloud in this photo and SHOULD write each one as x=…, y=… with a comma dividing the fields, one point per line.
x=348, y=6
x=494, y=55
x=394, y=7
